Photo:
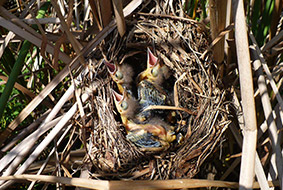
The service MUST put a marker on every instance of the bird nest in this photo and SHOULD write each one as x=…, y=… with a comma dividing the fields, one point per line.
x=179, y=43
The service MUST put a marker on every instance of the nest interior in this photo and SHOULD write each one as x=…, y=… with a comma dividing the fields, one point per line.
x=179, y=43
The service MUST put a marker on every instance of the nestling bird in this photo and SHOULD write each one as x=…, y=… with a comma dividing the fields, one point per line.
x=152, y=135
x=156, y=72
x=127, y=106
x=150, y=88
x=149, y=82
x=122, y=75
x=148, y=95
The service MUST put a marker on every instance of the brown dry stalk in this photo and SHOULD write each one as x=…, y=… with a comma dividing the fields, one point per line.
x=129, y=185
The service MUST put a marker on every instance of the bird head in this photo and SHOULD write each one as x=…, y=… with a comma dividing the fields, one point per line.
x=155, y=72
x=121, y=74
x=115, y=72
x=126, y=105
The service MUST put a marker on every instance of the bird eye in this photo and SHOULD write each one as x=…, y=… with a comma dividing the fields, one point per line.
x=154, y=71
x=124, y=105
x=119, y=75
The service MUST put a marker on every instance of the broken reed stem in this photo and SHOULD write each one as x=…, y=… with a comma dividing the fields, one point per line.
x=250, y=131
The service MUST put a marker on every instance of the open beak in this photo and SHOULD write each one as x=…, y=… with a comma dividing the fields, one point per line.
x=151, y=59
x=117, y=97
x=111, y=67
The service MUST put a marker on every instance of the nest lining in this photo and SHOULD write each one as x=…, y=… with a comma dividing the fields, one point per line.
x=179, y=43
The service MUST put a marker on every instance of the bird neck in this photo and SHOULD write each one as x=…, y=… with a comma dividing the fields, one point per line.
x=124, y=120
x=120, y=88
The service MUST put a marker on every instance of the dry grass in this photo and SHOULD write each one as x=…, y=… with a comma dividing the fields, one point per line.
x=79, y=132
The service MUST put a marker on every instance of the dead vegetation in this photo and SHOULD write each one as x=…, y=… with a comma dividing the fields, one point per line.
x=79, y=133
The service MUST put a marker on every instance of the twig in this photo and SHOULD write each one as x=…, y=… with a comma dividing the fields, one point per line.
x=170, y=108
x=273, y=41
x=170, y=16
x=217, y=39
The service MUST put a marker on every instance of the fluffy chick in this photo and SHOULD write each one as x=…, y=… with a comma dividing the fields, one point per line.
x=127, y=106
x=154, y=135
x=156, y=72
x=149, y=94
x=121, y=74
x=150, y=88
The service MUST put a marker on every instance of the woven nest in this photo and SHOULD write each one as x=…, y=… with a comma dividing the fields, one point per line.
x=179, y=43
